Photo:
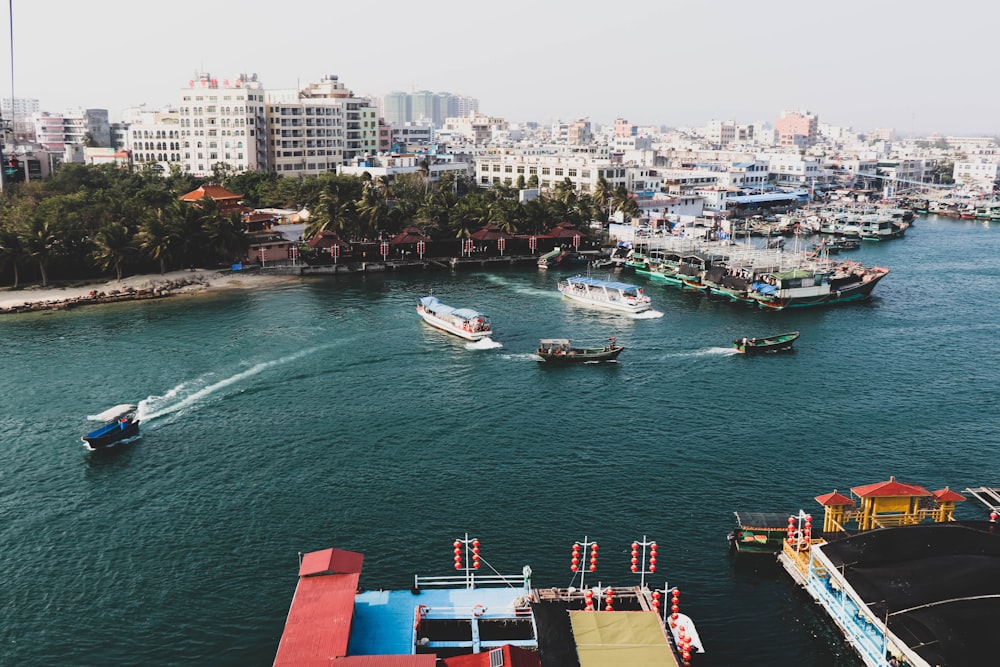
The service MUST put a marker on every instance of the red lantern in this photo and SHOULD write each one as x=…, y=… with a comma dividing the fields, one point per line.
x=635, y=546
x=458, y=566
x=652, y=569
x=635, y=568
x=574, y=567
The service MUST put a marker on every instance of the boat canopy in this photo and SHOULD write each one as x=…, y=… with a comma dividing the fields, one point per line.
x=595, y=282
x=114, y=413
x=554, y=342
x=435, y=306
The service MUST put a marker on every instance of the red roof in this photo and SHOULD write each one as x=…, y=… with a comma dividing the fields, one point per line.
x=890, y=489
x=513, y=656
x=319, y=621
x=834, y=499
x=327, y=239
x=564, y=230
x=946, y=494
x=490, y=233
x=421, y=660
x=216, y=192
x=409, y=235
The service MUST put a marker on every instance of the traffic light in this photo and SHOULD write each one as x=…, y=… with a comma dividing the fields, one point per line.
x=13, y=171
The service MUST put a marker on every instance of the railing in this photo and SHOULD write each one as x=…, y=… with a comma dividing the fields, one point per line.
x=471, y=581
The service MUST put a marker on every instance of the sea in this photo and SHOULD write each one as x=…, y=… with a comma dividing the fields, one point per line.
x=323, y=412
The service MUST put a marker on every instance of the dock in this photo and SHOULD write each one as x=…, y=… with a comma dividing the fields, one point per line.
x=989, y=496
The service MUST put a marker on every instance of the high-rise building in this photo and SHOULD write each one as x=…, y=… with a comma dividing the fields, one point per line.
x=222, y=124
x=396, y=107
x=73, y=128
x=318, y=128
x=153, y=138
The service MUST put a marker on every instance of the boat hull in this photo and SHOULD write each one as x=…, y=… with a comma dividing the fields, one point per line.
x=111, y=434
x=443, y=325
x=780, y=343
x=847, y=293
x=580, y=355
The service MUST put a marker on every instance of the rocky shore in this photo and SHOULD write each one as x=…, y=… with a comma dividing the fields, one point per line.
x=133, y=288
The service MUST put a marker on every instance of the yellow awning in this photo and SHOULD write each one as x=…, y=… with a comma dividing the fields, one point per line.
x=620, y=639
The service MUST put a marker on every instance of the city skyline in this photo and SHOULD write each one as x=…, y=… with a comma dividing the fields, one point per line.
x=901, y=65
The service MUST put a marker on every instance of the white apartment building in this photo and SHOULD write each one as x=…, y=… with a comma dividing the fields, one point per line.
x=319, y=128
x=583, y=171
x=390, y=165
x=476, y=127
x=793, y=169
x=153, y=138
x=982, y=174
x=56, y=131
x=222, y=124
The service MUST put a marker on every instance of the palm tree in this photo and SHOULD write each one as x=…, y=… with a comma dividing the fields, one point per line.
x=159, y=234
x=330, y=214
x=227, y=237
x=372, y=207
x=602, y=198
x=113, y=245
x=39, y=241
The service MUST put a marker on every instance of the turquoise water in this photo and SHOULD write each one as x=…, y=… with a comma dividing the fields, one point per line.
x=325, y=413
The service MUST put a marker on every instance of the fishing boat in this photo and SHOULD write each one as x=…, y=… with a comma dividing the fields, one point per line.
x=766, y=344
x=562, y=351
x=464, y=322
x=482, y=618
x=119, y=423
x=759, y=532
x=605, y=294
x=804, y=286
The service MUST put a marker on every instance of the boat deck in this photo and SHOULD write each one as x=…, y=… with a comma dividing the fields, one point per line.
x=989, y=496
x=384, y=620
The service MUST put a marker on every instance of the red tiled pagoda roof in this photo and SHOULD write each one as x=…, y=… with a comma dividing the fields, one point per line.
x=889, y=489
x=834, y=499
x=946, y=494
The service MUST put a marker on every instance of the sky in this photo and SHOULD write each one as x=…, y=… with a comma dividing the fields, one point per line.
x=915, y=66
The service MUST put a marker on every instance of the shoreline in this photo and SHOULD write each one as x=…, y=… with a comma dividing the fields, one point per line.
x=131, y=288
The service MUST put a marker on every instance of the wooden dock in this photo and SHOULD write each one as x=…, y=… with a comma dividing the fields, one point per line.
x=989, y=496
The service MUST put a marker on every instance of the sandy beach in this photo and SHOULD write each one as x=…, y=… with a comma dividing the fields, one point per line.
x=150, y=286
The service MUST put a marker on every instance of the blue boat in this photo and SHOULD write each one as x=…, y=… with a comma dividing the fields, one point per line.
x=120, y=423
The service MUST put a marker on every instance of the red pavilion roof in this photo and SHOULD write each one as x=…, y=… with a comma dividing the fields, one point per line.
x=946, y=494
x=834, y=499
x=216, y=192
x=890, y=489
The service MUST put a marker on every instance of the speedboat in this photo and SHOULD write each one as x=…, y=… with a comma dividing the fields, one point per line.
x=120, y=423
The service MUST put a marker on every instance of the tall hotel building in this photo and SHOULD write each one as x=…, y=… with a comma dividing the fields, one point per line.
x=319, y=128
x=222, y=124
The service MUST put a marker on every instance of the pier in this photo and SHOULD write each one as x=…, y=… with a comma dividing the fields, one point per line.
x=989, y=496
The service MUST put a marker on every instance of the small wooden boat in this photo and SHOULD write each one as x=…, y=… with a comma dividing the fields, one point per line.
x=120, y=423
x=562, y=351
x=767, y=344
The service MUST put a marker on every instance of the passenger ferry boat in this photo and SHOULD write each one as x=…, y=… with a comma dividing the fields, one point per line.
x=474, y=619
x=465, y=322
x=605, y=294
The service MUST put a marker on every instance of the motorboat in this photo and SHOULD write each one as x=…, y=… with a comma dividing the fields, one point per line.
x=119, y=423
x=766, y=344
x=562, y=351
x=464, y=322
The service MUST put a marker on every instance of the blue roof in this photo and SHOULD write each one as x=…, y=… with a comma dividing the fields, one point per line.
x=586, y=280
x=775, y=196
x=383, y=620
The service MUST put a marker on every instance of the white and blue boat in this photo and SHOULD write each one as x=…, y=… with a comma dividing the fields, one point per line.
x=464, y=322
x=120, y=423
x=606, y=294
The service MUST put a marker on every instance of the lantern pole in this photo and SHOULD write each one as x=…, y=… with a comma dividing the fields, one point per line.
x=640, y=566
x=471, y=565
x=577, y=566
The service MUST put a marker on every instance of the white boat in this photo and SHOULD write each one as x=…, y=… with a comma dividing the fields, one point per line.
x=464, y=322
x=605, y=294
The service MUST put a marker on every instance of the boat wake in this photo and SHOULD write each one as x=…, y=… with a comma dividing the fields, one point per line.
x=529, y=356
x=190, y=393
x=648, y=315
x=483, y=344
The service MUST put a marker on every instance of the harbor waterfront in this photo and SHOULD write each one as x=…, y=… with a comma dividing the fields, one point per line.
x=323, y=412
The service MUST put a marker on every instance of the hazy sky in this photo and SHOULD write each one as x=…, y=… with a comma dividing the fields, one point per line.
x=916, y=66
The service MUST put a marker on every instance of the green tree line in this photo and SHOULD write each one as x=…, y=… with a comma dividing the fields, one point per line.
x=93, y=221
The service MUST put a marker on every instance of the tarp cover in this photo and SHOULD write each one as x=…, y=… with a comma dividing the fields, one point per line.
x=620, y=639
x=938, y=584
